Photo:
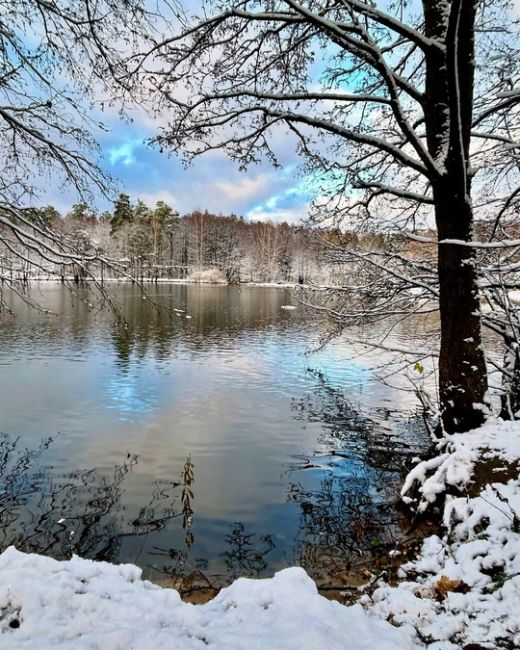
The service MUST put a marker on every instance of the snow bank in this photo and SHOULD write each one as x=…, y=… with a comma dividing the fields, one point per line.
x=211, y=276
x=83, y=604
x=465, y=588
x=463, y=591
x=458, y=455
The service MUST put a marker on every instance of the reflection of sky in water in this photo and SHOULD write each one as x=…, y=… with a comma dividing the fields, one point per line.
x=133, y=394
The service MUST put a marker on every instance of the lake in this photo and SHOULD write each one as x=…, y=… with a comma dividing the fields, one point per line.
x=202, y=444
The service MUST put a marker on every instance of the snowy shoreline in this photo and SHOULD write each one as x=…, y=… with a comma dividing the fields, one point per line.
x=463, y=590
x=124, y=280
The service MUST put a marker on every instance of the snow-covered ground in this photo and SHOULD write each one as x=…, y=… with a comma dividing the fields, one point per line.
x=463, y=591
x=454, y=465
x=80, y=604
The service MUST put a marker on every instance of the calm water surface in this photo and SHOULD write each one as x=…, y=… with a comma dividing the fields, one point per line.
x=205, y=441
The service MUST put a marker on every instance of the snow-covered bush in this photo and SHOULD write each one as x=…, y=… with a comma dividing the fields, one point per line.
x=463, y=590
x=213, y=276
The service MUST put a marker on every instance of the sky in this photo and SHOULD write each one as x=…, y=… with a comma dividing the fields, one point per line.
x=211, y=182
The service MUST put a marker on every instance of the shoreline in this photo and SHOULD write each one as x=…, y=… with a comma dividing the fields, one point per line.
x=148, y=281
x=459, y=590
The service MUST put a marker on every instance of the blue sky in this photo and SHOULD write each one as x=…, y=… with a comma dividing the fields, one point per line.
x=212, y=182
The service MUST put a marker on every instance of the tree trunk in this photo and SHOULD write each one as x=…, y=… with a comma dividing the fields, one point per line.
x=463, y=389
x=462, y=369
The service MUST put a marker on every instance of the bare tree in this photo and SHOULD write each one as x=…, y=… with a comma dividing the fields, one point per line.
x=403, y=113
x=56, y=60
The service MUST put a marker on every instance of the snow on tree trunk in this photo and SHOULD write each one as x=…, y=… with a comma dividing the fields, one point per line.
x=462, y=368
x=463, y=389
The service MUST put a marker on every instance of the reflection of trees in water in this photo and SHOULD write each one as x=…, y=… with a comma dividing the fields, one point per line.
x=246, y=555
x=378, y=439
x=152, y=322
x=80, y=512
x=218, y=316
x=340, y=520
x=347, y=494
x=83, y=512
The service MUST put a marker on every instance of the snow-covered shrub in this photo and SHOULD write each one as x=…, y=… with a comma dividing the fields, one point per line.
x=463, y=590
x=212, y=275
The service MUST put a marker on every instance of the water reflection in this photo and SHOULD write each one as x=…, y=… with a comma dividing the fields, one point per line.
x=247, y=555
x=131, y=396
x=348, y=490
x=81, y=512
x=345, y=501
x=211, y=449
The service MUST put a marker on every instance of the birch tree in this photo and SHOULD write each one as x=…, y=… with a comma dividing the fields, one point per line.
x=403, y=112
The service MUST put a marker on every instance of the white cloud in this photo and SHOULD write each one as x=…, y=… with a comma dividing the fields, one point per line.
x=151, y=198
x=290, y=215
x=246, y=188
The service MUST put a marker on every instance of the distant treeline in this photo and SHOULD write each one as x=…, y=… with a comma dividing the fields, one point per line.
x=158, y=243
x=144, y=243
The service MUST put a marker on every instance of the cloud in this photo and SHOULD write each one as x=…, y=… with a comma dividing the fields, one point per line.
x=246, y=188
x=151, y=198
x=212, y=182
x=289, y=215
x=123, y=153
x=291, y=204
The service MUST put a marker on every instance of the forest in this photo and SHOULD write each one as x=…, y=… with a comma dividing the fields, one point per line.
x=138, y=242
